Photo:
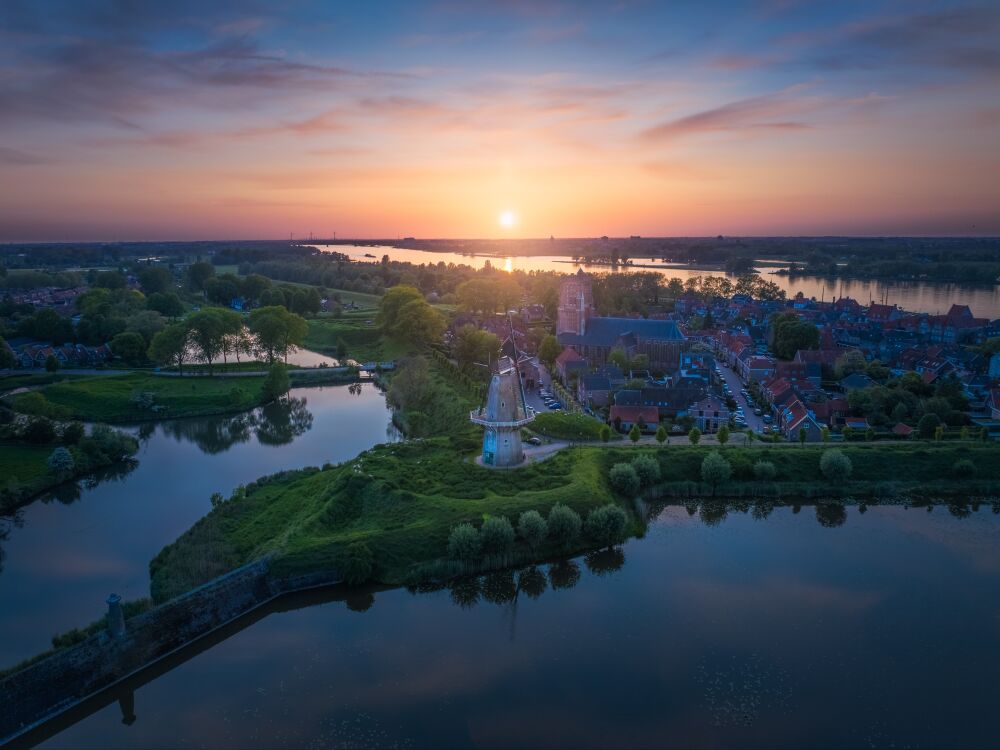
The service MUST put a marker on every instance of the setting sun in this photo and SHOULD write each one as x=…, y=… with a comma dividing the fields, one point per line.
x=507, y=219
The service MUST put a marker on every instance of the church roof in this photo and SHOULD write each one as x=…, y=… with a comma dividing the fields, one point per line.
x=607, y=331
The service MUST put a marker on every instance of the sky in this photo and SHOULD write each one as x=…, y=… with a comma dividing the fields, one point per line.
x=160, y=120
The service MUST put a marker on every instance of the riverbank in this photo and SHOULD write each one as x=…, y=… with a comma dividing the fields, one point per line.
x=401, y=501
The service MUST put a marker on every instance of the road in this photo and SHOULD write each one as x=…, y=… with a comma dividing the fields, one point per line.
x=754, y=422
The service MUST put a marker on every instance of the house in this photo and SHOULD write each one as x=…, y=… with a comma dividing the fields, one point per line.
x=858, y=424
x=623, y=417
x=709, y=414
x=993, y=403
x=856, y=381
x=902, y=430
x=530, y=374
x=569, y=363
x=594, y=389
x=795, y=418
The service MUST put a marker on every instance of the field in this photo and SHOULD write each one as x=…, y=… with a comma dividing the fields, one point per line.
x=362, y=339
x=565, y=426
x=108, y=398
x=26, y=463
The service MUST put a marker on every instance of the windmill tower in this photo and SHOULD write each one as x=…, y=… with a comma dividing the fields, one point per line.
x=504, y=412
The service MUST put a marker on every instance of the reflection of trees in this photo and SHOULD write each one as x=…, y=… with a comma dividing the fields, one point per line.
x=532, y=582
x=465, y=592
x=278, y=423
x=959, y=510
x=713, y=512
x=360, y=601
x=564, y=574
x=8, y=521
x=498, y=587
x=831, y=515
x=605, y=561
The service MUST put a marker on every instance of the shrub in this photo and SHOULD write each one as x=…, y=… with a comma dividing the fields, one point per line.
x=764, y=471
x=624, y=479
x=634, y=434
x=564, y=524
x=464, y=543
x=73, y=433
x=496, y=535
x=606, y=524
x=39, y=431
x=357, y=563
x=835, y=465
x=648, y=469
x=694, y=436
x=35, y=404
x=723, y=435
x=963, y=469
x=661, y=434
x=715, y=470
x=605, y=433
x=532, y=528
x=276, y=383
x=927, y=425
x=61, y=463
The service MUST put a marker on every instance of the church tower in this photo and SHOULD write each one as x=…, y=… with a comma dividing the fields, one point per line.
x=576, y=304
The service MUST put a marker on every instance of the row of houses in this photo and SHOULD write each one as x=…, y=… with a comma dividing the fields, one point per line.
x=34, y=354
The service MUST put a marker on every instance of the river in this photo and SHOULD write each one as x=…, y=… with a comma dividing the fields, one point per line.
x=925, y=297
x=72, y=548
x=831, y=629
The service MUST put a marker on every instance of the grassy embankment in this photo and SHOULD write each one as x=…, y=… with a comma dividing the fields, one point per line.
x=108, y=398
x=402, y=501
x=356, y=330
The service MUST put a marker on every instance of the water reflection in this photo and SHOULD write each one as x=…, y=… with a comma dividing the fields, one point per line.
x=278, y=423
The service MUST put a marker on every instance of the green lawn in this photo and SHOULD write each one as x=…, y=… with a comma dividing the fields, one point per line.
x=108, y=398
x=364, y=341
x=26, y=463
x=32, y=378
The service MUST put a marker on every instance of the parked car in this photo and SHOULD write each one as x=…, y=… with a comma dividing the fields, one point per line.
x=767, y=419
x=535, y=440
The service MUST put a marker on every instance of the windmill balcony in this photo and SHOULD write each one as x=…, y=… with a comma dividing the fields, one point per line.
x=480, y=417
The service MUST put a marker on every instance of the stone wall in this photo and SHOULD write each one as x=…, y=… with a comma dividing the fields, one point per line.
x=49, y=687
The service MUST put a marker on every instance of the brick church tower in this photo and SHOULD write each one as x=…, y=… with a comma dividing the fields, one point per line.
x=576, y=304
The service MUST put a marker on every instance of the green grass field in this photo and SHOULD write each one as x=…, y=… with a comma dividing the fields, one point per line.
x=108, y=398
x=363, y=340
x=26, y=463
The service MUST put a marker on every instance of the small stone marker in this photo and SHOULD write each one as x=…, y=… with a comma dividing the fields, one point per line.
x=116, y=618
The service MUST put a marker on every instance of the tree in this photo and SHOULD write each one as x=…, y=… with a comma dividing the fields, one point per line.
x=963, y=469
x=764, y=471
x=170, y=346
x=661, y=434
x=391, y=304
x=277, y=331
x=356, y=563
x=870, y=434
x=606, y=524
x=723, y=435
x=232, y=330
x=928, y=425
x=198, y=275
x=715, y=470
x=634, y=434
x=168, y=304
x=464, y=543
x=532, y=528
x=155, y=280
x=790, y=334
x=548, y=350
x=835, y=466
x=39, y=430
x=276, y=383
x=51, y=363
x=564, y=525
x=624, y=479
x=939, y=433
x=848, y=434
x=825, y=434
x=694, y=435
x=60, y=462
x=497, y=535
x=963, y=434
x=618, y=357
x=7, y=358
x=648, y=469
x=803, y=436
x=472, y=346
x=73, y=433
x=605, y=433
x=147, y=323
x=208, y=329
x=131, y=347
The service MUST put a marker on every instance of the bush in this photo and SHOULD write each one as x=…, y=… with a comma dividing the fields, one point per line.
x=634, y=434
x=927, y=425
x=764, y=471
x=606, y=524
x=61, y=463
x=532, y=528
x=835, y=465
x=39, y=431
x=963, y=469
x=625, y=479
x=276, y=383
x=464, y=543
x=357, y=563
x=496, y=535
x=694, y=436
x=648, y=469
x=35, y=404
x=73, y=433
x=605, y=433
x=564, y=524
x=661, y=434
x=715, y=470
